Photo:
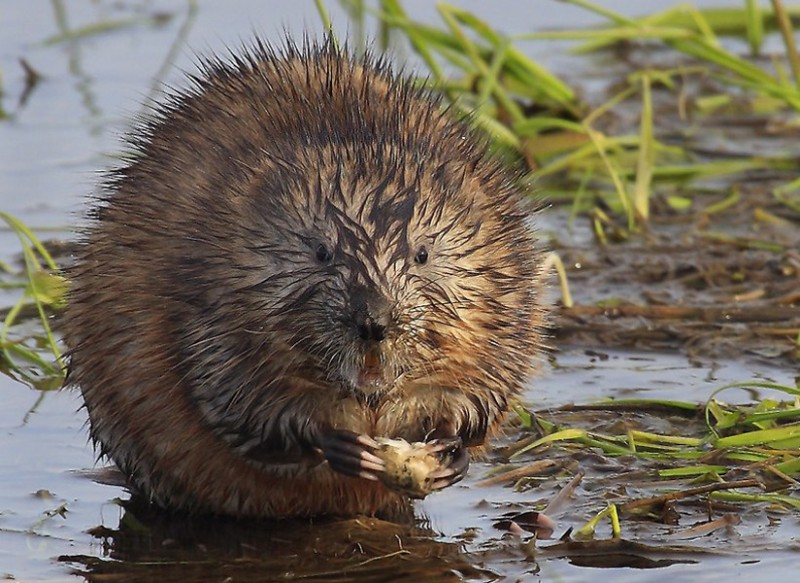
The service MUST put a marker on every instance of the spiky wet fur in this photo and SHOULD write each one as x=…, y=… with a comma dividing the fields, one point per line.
x=211, y=337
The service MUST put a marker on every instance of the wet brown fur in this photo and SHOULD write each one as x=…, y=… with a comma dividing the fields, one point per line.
x=212, y=344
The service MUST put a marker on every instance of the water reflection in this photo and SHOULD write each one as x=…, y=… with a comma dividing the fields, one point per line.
x=150, y=544
x=75, y=63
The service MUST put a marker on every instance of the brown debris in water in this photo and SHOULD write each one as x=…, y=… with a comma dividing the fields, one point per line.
x=710, y=298
x=645, y=505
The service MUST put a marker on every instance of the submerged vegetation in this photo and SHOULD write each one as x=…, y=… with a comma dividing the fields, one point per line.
x=681, y=162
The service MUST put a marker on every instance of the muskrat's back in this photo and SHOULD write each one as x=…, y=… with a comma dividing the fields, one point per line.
x=302, y=252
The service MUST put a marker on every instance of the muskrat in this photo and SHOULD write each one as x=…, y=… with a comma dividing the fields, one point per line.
x=302, y=252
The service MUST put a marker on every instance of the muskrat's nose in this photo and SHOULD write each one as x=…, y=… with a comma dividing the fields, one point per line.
x=370, y=330
x=370, y=314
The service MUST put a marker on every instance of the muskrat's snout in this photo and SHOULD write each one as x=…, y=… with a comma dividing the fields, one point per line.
x=370, y=315
x=372, y=327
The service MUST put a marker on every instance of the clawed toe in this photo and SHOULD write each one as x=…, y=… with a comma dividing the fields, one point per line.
x=350, y=454
x=455, y=462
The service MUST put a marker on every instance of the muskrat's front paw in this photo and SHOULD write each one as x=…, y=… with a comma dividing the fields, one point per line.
x=454, y=458
x=351, y=454
x=417, y=469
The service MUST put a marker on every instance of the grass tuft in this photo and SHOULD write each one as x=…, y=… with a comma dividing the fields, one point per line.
x=538, y=117
x=33, y=358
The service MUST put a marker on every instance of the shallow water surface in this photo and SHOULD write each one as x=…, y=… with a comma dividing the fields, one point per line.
x=60, y=514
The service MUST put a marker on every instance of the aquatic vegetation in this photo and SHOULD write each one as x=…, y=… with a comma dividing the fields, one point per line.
x=714, y=452
x=538, y=117
x=32, y=355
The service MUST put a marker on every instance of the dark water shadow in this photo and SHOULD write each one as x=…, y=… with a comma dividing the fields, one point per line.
x=150, y=544
x=616, y=553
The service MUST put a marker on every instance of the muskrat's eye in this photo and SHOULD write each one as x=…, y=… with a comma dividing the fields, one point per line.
x=422, y=256
x=323, y=253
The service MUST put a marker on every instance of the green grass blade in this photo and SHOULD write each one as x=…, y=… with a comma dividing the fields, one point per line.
x=564, y=435
x=754, y=26
x=646, y=161
x=760, y=437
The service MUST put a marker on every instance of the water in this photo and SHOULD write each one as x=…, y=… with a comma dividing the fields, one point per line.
x=66, y=130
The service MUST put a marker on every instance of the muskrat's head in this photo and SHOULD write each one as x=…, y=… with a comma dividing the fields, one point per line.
x=388, y=265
